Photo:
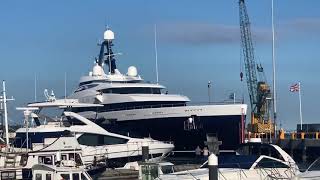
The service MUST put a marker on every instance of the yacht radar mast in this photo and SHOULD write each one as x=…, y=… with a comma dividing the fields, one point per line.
x=106, y=55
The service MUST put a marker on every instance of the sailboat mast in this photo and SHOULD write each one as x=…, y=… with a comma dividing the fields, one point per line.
x=5, y=112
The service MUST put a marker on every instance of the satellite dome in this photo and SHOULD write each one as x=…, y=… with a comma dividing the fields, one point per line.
x=132, y=71
x=108, y=35
x=97, y=70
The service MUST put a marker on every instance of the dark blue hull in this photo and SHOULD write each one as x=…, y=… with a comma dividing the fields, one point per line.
x=226, y=128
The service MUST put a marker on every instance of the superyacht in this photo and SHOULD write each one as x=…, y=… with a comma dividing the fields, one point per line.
x=137, y=108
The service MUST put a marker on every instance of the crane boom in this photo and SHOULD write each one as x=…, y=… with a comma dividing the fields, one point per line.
x=248, y=53
x=259, y=90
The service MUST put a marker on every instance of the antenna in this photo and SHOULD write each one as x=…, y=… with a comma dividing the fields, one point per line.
x=156, y=51
x=27, y=112
x=46, y=94
x=35, y=87
x=274, y=75
x=65, y=85
x=109, y=58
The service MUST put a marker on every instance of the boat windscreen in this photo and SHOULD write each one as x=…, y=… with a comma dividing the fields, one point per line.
x=43, y=118
x=237, y=161
x=315, y=166
x=258, y=149
x=234, y=161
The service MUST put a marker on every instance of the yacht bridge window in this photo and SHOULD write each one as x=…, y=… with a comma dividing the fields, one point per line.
x=84, y=87
x=99, y=140
x=132, y=90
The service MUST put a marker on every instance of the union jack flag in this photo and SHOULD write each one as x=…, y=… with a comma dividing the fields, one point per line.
x=295, y=88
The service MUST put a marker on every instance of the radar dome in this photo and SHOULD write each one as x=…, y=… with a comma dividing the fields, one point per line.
x=108, y=35
x=132, y=71
x=97, y=70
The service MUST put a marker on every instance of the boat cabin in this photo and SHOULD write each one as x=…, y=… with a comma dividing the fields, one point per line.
x=47, y=172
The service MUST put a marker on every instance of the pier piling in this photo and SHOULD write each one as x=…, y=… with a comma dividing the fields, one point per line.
x=213, y=167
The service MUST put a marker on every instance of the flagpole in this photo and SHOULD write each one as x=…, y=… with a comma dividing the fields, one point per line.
x=300, y=106
x=156, y=51
x=274, y=76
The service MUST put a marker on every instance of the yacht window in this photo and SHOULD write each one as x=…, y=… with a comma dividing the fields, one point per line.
x=8, y=175
x=45, y=160
x=38, y=176
x=156, y=91
x=167, y=169
x=81, y=88
x=71, y=156
x=83, y=177
x=48, y=160
x=98, y=140
x=75, y=176
x=78, y=160
x=84, y=87
x=88, y=139
x=91, y=86
x=113, y=140
x=133, y=90
x=270, y=163
x=106, y=91
x=48, y=176
x=65, y=176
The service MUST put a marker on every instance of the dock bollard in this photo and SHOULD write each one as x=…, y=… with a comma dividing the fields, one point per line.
x=213, y=167
x=145, y=152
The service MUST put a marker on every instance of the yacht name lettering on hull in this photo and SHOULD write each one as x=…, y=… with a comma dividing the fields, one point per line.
x=157, y=112
x=192, y=110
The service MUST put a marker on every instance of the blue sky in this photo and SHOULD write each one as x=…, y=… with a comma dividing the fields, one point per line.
x=198, y=41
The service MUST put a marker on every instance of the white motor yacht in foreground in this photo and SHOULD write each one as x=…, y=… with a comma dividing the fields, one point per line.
x=277, y=165
x=96, y=143
x=133, y=106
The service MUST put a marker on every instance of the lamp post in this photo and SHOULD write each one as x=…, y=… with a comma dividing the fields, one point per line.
x=209, y=91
